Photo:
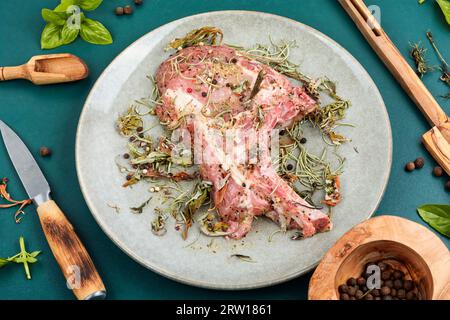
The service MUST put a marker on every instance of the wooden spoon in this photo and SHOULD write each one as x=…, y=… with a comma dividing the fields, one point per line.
x=48, y=69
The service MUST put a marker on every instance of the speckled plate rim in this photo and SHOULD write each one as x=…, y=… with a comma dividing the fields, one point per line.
x=186, y=280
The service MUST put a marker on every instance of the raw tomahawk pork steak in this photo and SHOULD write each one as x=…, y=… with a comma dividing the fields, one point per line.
x=214, y=90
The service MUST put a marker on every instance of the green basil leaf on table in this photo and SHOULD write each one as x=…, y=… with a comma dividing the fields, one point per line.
x=69, y=33
x=89, y=5
x=65, y=4
x=437, y=216
x=50, y=16
x=51, y=36
x=445, y=7
x=94, y=32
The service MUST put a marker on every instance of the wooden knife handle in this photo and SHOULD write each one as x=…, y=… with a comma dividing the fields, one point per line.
x=71, y=255
x=398, y=66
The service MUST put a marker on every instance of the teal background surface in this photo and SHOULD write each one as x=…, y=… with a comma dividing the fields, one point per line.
x=48, y=115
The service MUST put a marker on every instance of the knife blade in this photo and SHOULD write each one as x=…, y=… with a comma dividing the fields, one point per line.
x=71, y=255
x=28, y=170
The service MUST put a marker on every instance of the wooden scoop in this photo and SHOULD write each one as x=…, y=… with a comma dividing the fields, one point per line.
x=48, y=69
x=437, y=140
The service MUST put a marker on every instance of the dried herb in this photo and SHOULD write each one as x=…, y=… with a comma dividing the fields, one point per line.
x=445, y=76
x=199, y=197
x=204, y=35
x=12, y=203
x=417, y=53
x=140, y=208
x=159, y=224
x=243, y=258
x=23, y=257
x=258, y=81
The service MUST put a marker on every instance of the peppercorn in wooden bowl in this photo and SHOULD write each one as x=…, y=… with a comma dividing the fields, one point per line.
x=409, y=252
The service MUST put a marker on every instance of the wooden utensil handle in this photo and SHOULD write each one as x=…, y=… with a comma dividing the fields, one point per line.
x=398, y=66
x=11, y=73
x=71, y=255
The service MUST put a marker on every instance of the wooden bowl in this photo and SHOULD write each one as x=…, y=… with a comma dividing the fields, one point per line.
x=401, y=243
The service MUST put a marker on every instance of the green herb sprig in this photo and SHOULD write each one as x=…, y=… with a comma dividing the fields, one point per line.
x=66, y=22
x=23, y=257
x=445, y=7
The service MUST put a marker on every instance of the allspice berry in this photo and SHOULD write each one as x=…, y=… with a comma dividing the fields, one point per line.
x=45, y=151
x=410, y=166
x=119, y=11
x=438, y=171
x=447, y=185
x=128, y=10
x=138, y=2
x=419, y=163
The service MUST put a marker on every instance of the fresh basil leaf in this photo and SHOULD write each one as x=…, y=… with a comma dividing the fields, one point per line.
x=445, y=7
x=65, y=4
x=437, y=216
x=50, y=16
x=51, y=36
x=69, y=33
x=89, y=5
x=94, y=32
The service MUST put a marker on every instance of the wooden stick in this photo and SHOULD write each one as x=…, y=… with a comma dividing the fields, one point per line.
x=407, y=78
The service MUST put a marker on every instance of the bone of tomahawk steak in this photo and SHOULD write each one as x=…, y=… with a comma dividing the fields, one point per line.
x=206, y=88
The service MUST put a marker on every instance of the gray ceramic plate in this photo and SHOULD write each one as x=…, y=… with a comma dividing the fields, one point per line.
x=208, y=264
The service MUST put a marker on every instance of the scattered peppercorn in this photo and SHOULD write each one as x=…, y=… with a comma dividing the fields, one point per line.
x=351, y=282
x=45, y=151
x=386, y=275
x=138, y=2
x=126, y=156
x=410, y=166
x=438, y=172
x=447, y=185
x=128, y=10
x=398, y=274
x=132, y=139
x=343, y=288
x=289, y=167
x=419, y=163
x=234, y=60
x=140, y=129
x=204, y=94
x=398, y=284
x=214, y=81
x=303, y=140
x=344, y=296
x=385, y=291
x=119, y=11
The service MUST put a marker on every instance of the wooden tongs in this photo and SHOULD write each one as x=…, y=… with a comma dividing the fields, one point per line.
x=437, y=140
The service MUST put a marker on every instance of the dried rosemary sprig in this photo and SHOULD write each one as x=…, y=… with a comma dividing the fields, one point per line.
x=204, y=35
x=417, y=53
x=445, y=77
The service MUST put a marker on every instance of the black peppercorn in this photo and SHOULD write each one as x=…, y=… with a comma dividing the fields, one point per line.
x=126, y=156
x=303, y=140
x=447, y=185
x=383, y=266
x=214, y=81
x=45, y=151
x=234, y=60
x=140, y=129
x=138, y=2
x=289, y=166
x=204, y=94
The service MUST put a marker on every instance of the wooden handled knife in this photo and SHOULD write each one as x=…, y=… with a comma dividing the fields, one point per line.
x=71, y=255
